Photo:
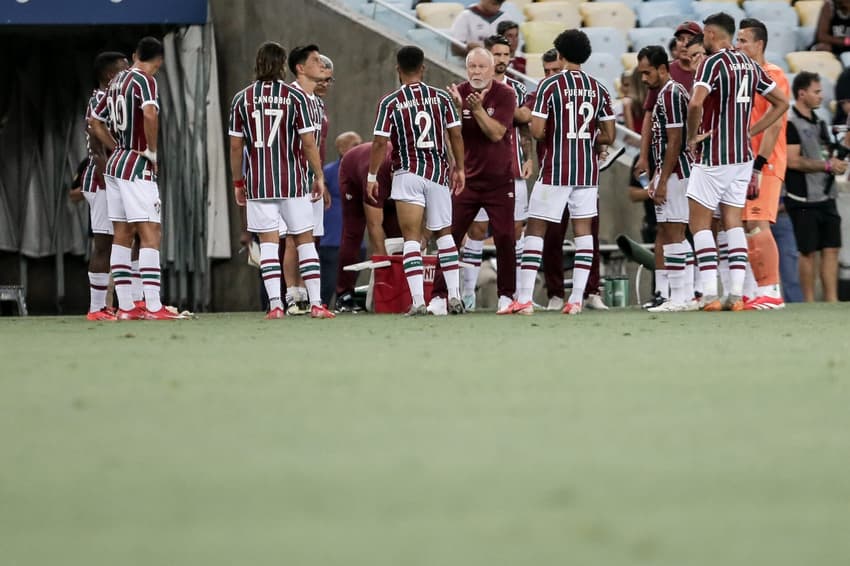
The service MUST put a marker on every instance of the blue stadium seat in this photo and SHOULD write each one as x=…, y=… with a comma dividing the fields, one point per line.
x=778, y=59
x=685, y=9
x=705, y=9
x=770, y=11
x=633, y=4
x=607, y=40
x=606, y=69
x=641, y=37
x=513, y=11
x=665, y=21
x=805, y=37
x=781, y=36
x=650, y=10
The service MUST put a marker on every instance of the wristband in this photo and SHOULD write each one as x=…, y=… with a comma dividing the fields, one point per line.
x=827, y=166
x=372, y=178
x=239, y=183
x=759, y=163
x=149, y=155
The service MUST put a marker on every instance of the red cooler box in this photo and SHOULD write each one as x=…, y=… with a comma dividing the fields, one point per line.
x=390, y=293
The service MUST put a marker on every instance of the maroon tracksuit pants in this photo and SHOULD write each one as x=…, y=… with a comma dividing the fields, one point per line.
x=553, y=257
x=498, y=201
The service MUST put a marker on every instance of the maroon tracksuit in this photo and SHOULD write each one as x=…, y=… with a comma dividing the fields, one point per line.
x=490, y=173
x=353, y=170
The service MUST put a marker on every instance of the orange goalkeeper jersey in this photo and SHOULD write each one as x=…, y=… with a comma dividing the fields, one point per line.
x=779, y=158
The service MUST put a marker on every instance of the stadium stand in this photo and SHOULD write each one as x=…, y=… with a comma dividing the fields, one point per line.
x=439, y=15
x=564, y=13
x=607, y=40
x=540, y=35
x=808, y=12
x=821, y=62
x=641, y=37
x=608, y=14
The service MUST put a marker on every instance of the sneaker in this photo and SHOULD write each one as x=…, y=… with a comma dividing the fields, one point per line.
x=734, y=303
x=572, y=308
x=655, y=301
x=522, y=308
x=275, y=314
x=103, y=315
x=613, y=154
x=133, y=314
x=555, y=304
x=595, y=302
x=140, y=304
x=162, y=314
x=764, y=303
x=692, y=305
x=437, y=307
x=345, y=303
x=321, y=311
x=469, y=302
x=455, y=306
x=417, y=310
x=710, y=303
x=505, y=306
x=670, y=306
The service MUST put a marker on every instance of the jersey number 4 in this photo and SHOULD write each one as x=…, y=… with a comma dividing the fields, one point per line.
x=743, y=95
x=586, y=111
x=276, y=114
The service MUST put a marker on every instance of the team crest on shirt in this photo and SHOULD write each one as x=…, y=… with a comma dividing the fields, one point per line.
x=491, y=111
x=467, y=113
x=510, y=195
x=348, y=196
x=158, y=206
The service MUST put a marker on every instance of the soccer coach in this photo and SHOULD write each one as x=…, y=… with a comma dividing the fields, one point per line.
x=487, y=115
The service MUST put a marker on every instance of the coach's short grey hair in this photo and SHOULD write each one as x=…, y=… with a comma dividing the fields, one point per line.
x=480, y=51
x=326, y=62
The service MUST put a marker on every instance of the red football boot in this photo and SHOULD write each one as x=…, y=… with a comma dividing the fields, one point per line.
x=321, y=311
x=133, y=314
x=162, y=314
x=275, y=314
x=103, y=315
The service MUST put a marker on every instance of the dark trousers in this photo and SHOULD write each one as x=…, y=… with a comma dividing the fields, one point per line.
x=553, y=257
x=353, y=228
x=498, y=201
x=328, y=260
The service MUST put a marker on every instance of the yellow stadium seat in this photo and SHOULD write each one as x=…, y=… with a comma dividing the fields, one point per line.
x=820, y=62
x=438, y=15
x=629, y=61
x=573, y=2
x=521, y=3
x=539, y=36
x=607, y=14
x=808, y=11
x=563, y=12
x=534, y=65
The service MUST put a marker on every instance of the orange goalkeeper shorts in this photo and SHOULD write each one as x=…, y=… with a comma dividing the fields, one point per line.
x=766, y=205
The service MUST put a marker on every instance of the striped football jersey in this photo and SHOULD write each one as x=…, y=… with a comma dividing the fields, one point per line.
x=126, y=97
x=92, y=179
x=416, y=118
x=317, y=114
x=671, y=111
x=521, y=95
x=270, y=117
x=572, y=103
x=732, y=80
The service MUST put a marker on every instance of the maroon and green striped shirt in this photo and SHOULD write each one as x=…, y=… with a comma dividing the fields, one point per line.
x=572, y=103
x=671, y=111
x=270, y=117
x=92, y=179
x=416, y=118
x=317, y=116
x=123, y=110
x=732, y=80
x=521, y=95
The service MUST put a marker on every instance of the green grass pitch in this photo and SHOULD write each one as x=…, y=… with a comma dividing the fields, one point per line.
x=606, y=439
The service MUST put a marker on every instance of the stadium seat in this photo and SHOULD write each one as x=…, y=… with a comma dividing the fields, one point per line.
x=629, y=61
x=641, y=37
x=520, y=3
x=439, y=15
x=664, y=21
x=605, y=68
x=770, y=11
x=821, y=62
x=805, y=37
x=514, y=12
x=607, y=14
x=562, y=12
x=633, y=4
x=392, y=20
x=534, y=65
x=607, y=40
x=828, y=91
x=778, y=59
x=539, y=36
x=845, y=59
x=705, y=9
x=781, y=36
x=808, y=11
x=573, y=2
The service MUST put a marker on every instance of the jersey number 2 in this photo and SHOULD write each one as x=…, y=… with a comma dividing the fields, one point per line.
x=277, y=115
x=586, y=111
x=423, y=141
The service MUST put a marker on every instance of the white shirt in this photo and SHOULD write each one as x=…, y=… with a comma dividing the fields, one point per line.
x=470, y=27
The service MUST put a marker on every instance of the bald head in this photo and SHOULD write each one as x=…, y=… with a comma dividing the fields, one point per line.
x=346, y=141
